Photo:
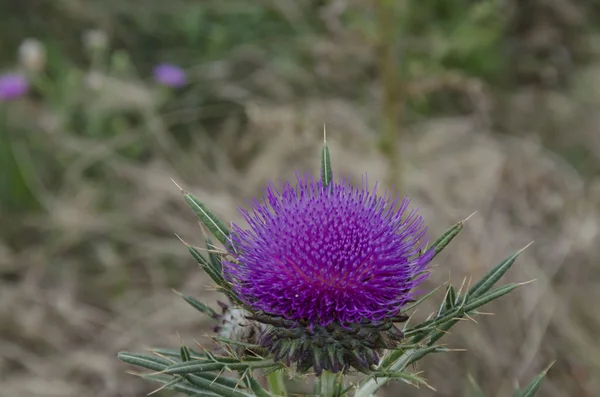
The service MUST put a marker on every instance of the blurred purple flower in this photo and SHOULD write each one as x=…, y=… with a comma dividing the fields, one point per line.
x=170, y=75
x=13, y=86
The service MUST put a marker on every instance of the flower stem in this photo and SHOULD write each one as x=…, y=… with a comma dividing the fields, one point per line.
x=327, y=384
x=369, y=388
x=276, y=383
x=387, y=19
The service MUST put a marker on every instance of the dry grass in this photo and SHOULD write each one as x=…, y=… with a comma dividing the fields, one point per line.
x=93, y=276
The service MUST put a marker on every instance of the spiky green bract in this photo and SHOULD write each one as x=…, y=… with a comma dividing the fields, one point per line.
x=455, y=305
x=334, y=348
x=210, y=220
x=532, y=388
x=326, y=171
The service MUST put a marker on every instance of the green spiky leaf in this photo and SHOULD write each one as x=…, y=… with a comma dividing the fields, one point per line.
x=493, y=275
x=217, y=388
x=216, y=227
x=445, y=238
x=201, y=307
x=535, y=384
x=213, y=273
x=473, y=304
x=182, y=387
x=175, y=354
x=407, y=377
x=184, y=353
x=196, y=366
x=477, y=392
x=215, y=260
x=256, y=388
x=144, y=361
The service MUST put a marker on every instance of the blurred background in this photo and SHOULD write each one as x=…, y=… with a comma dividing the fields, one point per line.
x=488, y=106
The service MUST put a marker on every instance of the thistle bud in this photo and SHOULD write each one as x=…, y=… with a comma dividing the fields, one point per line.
x=32, y=55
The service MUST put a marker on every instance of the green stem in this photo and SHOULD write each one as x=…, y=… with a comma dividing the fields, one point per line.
x=276, y=383
x=327, y=384
x=387, y=17
x=369, y=388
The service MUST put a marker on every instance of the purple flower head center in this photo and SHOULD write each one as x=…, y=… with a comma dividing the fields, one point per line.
x=325, y=254
x=13, y=86
x=170, y=75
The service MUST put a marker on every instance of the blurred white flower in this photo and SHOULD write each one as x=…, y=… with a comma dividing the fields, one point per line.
x=95, y=40
x=32, y=55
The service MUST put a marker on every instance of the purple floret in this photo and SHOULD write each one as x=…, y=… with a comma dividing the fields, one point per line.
x=321, y=255
x=13, y=86
x=170, y=75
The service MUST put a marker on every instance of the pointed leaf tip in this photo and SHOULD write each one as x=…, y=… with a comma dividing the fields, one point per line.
x=326, y=171
x=178, y=186
x=446, y=238
x=214, y=225
x=535, y=384
x=492, y=277
x=468, y=217
x=182, y=240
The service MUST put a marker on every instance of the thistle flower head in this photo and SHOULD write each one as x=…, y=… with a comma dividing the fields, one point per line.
x=323, y=254
x=13, y=86
x=170, y=75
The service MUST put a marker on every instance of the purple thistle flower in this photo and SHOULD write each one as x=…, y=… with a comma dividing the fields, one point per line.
x=328, y=254
x=170, y=75
x=13, y=86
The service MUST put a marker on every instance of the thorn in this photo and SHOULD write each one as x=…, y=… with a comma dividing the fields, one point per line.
x=157, y=390
x=324, y=134
x=212, y=251
x=203, y=230
x=466, y=296
x=484, y=313
x=442, y=331
x=199, y=345
x=524, y=248
x=460, y=319
x=467, y=218
x=182, y=240
x=218, y=375
x=549, y=366
x=407, y=321
x=527, y=282
x=179, y=187
x=164, y=371
x=471, y=318
x=165, y=357
x=461, y=287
